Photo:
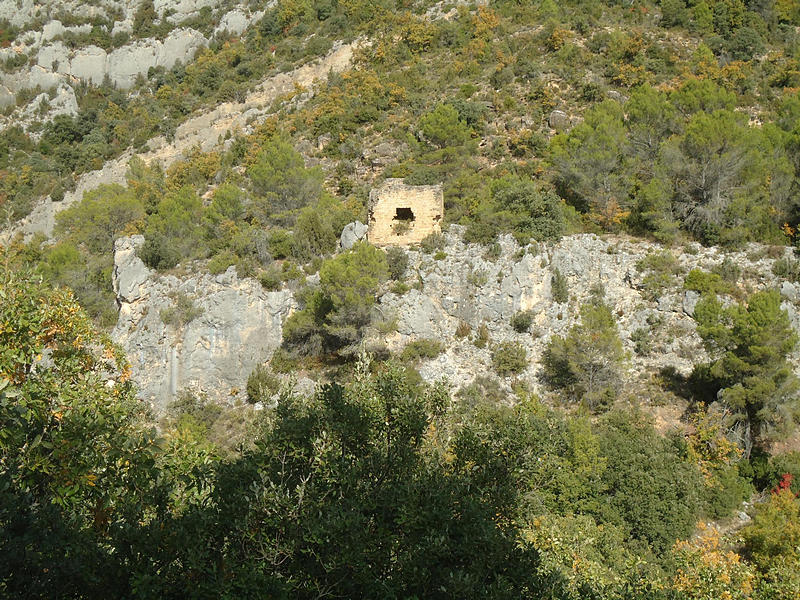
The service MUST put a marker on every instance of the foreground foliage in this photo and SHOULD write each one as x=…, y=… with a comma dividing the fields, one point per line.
x=375, y=486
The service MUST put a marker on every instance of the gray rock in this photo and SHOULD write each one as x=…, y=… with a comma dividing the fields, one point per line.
x=6, y=97
x=52, y=29
x=789, y=291
x=352, y=233
x=418, y=315
x=383, y=154
x=179, y=10
x=54, y=57
x=125, y=26
x=237, y=327
x=618, y=97
x=126, y=63
x=63, y=103
x=90, y=64
x=690, y=300
x=179, y=45
x=130, y=273
x=666, y=303
x=791, y=311
x=234, y=22
x=558, y=120
x=43, y=78
x=305, y=386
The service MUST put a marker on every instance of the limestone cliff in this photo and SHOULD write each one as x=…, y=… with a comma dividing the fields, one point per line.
x=235, y=323
x=217, y=327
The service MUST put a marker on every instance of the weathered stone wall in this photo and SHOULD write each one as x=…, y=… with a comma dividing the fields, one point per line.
x=426, y=202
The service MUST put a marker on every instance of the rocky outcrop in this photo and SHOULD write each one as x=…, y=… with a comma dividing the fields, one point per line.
x=48, y=62
x=352, y=233
x=472, y=288
x=217, y=327
x=207, y=332
x=122, y=66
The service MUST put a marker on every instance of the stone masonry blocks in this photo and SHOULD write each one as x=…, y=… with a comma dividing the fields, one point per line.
x=401, y=214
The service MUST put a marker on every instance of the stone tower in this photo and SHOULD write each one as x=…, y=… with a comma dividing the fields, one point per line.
x=401, y=214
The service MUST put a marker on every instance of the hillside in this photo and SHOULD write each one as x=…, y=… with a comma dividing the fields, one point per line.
x=211, y=385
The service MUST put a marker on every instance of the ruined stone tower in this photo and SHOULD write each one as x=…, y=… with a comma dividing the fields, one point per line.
x=401, y=214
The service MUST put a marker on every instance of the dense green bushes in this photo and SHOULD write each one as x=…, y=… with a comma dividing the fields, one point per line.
x=423, y=496
x=748, y=372
x=335, y=313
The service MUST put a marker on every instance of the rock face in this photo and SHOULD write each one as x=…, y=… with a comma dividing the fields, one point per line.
x=207, y=333
x=472, y=288
x=352, y=233
x=123, y=65
x=218, y=327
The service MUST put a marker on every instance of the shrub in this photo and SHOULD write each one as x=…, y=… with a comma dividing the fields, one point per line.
x=728, y=270
x=442, y=127
x=270, y=279
x=280, y=243
x=787, y=268
x=642, y=341
x=261, y=384
x=283, y=361
x=482, y=338
x=182, y=312
x=483, y=390
x=493, y=252
x=397, y=261
x=280, y=180
x=432, y=243
x=509, y=358
x=399, y=288
x=661, y=268
x=220, y=262
x=422, y=349
x=463, y=329
x=558, y=286
x=586, y=363
x=706, y=283
x=522, y=321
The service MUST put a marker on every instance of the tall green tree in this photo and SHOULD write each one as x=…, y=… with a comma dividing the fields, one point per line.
x=586, y=364
x=335, y=312
x=76, y=455
x=592, y=164
x=749, y=374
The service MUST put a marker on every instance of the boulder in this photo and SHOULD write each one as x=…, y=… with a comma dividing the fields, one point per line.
x=130, y=273
x=52, y=29
x=234, y=22
x=690, y=300
x=558, y=120
x=352, y=233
